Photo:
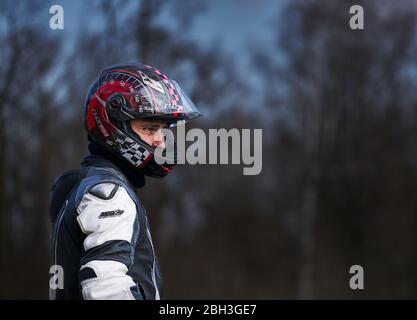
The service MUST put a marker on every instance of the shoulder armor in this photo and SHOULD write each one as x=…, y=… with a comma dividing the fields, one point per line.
x=105, y=190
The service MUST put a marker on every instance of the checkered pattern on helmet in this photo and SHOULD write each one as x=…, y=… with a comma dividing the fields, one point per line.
x=132, y=151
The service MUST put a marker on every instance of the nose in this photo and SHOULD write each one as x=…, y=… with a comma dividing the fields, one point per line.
x=158, y=140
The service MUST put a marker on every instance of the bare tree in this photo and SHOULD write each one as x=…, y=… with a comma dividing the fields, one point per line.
x=337, y=85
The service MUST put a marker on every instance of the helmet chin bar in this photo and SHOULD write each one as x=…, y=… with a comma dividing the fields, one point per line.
x=149, y=167
x=127, y=126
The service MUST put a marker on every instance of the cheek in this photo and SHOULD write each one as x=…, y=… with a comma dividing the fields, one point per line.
x=147, y=138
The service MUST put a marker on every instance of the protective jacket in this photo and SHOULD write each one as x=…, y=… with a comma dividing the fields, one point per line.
x=100, y=244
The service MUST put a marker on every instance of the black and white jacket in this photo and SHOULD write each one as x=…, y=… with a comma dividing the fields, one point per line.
x=100, y=235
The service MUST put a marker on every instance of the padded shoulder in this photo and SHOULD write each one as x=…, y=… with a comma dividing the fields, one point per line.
x=105, y=220
x=105, y=186
x=101, y=183
x=104, y=190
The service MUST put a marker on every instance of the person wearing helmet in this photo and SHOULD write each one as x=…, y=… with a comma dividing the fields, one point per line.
x=100, y=238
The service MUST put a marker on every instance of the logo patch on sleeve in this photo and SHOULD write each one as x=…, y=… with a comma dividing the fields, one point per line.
x=109, y=214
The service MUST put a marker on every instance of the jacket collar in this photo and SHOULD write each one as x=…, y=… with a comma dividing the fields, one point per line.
x=101, y=157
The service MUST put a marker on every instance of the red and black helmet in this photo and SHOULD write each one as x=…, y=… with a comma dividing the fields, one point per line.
x=134, y=91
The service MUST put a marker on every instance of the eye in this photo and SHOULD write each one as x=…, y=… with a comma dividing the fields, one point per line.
x=149, y=130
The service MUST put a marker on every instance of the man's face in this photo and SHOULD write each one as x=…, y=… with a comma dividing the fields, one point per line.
x=150, y=131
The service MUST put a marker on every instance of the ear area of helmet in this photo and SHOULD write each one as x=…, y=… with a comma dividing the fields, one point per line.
x=117, y=107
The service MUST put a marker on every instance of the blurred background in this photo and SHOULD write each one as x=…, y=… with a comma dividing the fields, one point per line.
x=338, y=109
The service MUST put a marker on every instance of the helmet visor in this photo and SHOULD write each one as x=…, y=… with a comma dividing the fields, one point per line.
x=164, y=100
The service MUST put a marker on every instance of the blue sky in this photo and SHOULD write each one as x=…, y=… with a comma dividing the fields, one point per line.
x=230, y=25
x=236, y=24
